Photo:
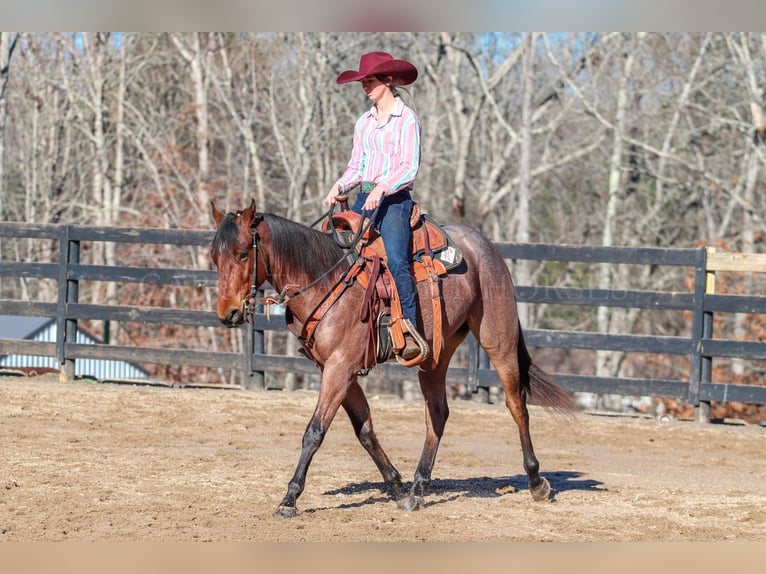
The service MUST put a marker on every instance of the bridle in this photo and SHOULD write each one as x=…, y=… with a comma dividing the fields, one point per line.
x=251, y=301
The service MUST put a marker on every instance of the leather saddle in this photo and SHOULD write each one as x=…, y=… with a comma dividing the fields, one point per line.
x=428, y=237
x=433, y=254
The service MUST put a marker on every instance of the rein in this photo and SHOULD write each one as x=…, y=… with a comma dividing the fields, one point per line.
x=251, y=300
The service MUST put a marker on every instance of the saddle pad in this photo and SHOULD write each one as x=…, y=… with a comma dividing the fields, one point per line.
x=442, y=246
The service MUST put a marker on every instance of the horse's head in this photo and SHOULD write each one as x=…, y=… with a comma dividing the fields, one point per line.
x=233, y=255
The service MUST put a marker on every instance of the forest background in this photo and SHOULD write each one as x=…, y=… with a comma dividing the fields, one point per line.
x=609, y=138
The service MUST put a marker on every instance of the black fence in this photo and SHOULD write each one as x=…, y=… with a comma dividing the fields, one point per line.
x=700, y=347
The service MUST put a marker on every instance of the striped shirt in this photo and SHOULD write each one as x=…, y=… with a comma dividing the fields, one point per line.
x=388, y=154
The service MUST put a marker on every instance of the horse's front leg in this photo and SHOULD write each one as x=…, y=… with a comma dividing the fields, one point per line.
x=335, y=383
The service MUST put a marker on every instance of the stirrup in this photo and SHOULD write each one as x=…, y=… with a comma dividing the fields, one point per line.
x=424, y=350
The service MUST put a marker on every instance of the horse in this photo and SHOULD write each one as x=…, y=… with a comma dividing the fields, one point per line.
x=251, y=248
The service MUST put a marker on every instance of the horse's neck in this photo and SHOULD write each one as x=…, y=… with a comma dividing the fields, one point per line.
x=289, y=277
x=290, y=283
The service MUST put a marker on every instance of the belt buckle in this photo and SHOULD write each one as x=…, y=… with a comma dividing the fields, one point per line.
x=367, y=186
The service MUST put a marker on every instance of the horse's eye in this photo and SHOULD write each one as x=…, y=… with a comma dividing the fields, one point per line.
x=242, y=255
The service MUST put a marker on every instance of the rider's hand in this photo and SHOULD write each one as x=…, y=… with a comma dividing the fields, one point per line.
x=373, y=199
x=334, y=192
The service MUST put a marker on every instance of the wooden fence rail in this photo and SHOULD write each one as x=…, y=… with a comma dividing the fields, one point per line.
x=700, y=346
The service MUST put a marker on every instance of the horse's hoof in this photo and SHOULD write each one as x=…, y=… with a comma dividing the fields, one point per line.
x=542, y=491
x=410, y=502
x=398, y=492
x=286, y=511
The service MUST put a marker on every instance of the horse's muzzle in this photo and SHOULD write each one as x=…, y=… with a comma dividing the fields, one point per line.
x=233, y=318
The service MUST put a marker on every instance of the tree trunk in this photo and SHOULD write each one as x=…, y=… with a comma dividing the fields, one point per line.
x=740, y=48
x=607, y=362
x=190, y=47
x=6, y=49
x=241, y=110
x=522, y=268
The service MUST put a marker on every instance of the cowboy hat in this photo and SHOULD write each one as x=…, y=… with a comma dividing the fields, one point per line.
x=380, y=63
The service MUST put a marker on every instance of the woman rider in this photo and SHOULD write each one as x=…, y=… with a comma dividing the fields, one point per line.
x=384, y=160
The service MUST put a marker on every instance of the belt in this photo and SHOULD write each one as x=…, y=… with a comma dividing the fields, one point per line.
x=366, y=186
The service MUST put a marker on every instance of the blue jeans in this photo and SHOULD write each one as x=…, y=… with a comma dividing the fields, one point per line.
x=393, y=223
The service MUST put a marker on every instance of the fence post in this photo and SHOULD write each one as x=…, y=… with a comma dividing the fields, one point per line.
x=254, y=344
x=472, y=377
x=706, y=372
x=702, y=324
x=483, y=395
x=68, y=292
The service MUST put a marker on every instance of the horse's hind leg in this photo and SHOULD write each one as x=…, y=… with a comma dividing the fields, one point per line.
x=507, y=367
x=358, y=411
x=516, y=401
x=500, y=337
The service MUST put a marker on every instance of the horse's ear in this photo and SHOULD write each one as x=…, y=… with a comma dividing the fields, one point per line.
x=217, y=215
x=249, y=213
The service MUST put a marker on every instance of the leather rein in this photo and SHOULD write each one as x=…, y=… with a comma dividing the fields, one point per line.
x=345, y=280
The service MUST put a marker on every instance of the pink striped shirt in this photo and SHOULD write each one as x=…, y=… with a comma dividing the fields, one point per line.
x=388, y=154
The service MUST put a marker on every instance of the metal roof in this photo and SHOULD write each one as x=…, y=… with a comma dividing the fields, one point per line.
x=44, y=329
x=20, y=327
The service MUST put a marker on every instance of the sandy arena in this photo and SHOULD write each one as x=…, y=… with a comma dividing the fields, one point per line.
x=93, y=462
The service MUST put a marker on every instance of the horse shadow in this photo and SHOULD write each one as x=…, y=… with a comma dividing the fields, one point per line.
x=477, y=487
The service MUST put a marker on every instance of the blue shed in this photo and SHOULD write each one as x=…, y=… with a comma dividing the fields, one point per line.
x=44, y=329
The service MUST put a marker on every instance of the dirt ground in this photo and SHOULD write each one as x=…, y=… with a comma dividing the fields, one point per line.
x=94, y=462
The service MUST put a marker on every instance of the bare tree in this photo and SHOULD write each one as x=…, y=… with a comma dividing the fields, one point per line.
x=194, y=47
x=596, y=138
x=447, y=73
x=235, y=77
x=753, y=158
x=7, y=44
x=6, y=50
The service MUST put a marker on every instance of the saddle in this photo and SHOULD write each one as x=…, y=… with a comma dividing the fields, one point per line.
x=433, y=254
x=428, y=237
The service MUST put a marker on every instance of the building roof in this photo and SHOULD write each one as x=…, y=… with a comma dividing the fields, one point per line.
x=19, y=327
x=44, y=329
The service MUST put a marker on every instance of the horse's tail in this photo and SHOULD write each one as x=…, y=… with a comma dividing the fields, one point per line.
x=540, y=386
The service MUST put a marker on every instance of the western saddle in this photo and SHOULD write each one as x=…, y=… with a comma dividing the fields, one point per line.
x=433, y=254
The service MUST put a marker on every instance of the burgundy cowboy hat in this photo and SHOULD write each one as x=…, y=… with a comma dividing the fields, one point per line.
x=380, y=63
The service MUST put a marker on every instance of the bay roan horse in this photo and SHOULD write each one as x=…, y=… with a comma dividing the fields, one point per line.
x=478, y=296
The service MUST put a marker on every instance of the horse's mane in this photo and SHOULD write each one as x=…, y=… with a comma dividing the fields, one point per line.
x=297, y=247
x=294, y=246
